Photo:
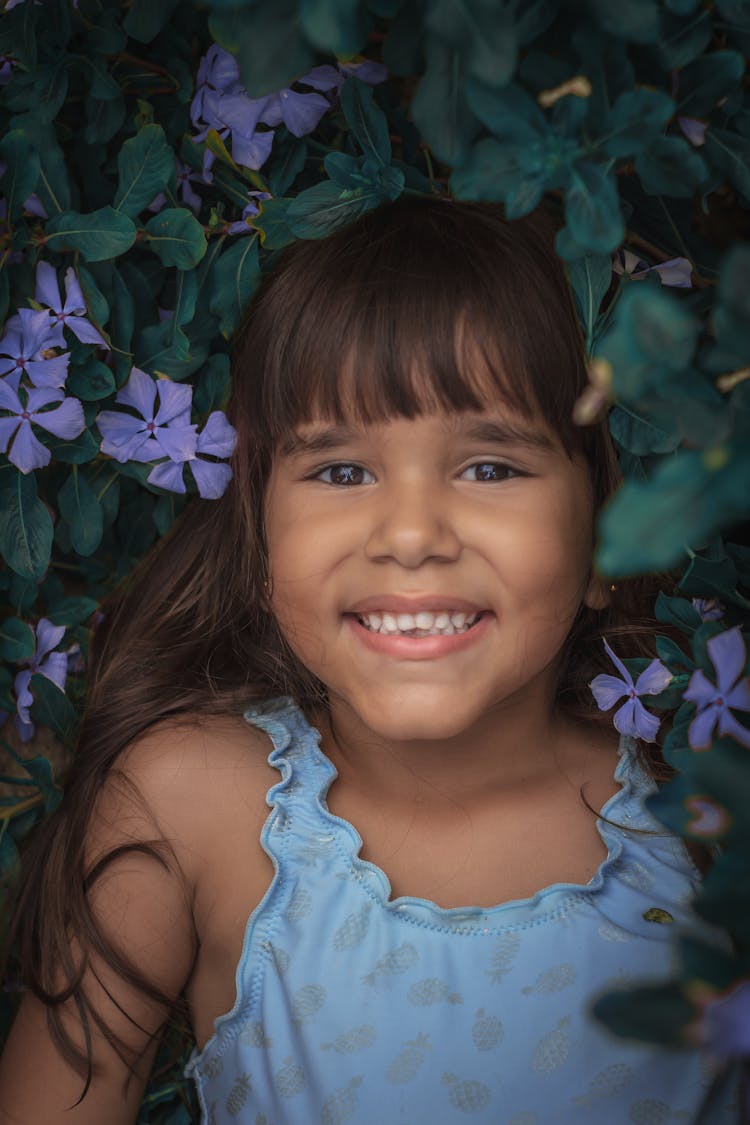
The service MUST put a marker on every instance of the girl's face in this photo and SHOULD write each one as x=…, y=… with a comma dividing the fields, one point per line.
x=480, y=518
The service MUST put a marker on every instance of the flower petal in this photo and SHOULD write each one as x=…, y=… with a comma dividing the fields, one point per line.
x=66, y=421
x=619, y=665
x=85, y=331
x=731, y=726
x=700, y=690
x=75, y=302
x=178, y=442
x=123, y=437
x=139, y=392
x=653, y=679
x=633, y=719
x=252, y=152
x=48, y=636
x=700, y=731
x=8, y=427
x=607, y=690
x=24, y=698
x=168, y=475
x=211, y=478
x=49, y=372
x=47, y=290
x=27, y=452
x=9, y=399
x=218, y=437
x=727, y=653
x=302, y=112
x=174, y=399
x=55, y=669
x=739, y=696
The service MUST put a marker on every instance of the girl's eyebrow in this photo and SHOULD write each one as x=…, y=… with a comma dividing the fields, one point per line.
x=499, y=432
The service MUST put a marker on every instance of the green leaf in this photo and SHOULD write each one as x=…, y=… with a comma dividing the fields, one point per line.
x=269, y=43
x=177, y=237
x=590, y=277
x=52, y=708
x=72, y=611
x=336, y=27
x=325, y=207
x=91, y=382
x=592, y=208
x=101, y=234
x=17, y=641
x=145, y=164
x=235, y=278
x=214, y=384
x=708, y=79
x=146, y=18
x=54, y=174
x=21, y=174
x=634, y=20
x=368, y=123
x=287, y=161
x=76, y=451
x=82, y=511
x=718, y=578
x=729, y=152
x=275, y=231
x=671, y=654
x=490, y=172
x=636, y=117
x=439, y=107
x=669, y=166
x=641, y=436
x=25, y=525
x=682, y=40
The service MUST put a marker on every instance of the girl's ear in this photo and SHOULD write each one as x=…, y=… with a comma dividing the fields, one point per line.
x=598, y=593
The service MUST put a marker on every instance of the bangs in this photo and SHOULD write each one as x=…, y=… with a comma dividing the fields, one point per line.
x=418, y=306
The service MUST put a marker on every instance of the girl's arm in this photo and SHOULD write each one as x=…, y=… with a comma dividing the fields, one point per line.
x=143, y=908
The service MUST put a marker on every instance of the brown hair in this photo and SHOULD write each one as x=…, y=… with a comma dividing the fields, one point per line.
x=189, y=631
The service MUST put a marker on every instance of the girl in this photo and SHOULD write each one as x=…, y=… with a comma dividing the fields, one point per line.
x=384, y=631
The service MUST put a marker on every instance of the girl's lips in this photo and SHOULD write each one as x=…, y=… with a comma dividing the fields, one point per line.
x=418, y=648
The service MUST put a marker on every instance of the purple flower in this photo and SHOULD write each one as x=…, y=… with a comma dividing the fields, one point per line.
x=52, y=665
x=329, y=77
x=217, y=70
x=153, y=433
x=677, y=272
x=632, y=718
x=725, y=1024
x=64, y=421
x=299, y=112
x=221, y=103
x=185, y=175
x=732, y=690
x=252, y=208
x=28, y=335
x=7, y=62
x=708, y=609
x=694, y=130
x=71, y=314
x=217, y=439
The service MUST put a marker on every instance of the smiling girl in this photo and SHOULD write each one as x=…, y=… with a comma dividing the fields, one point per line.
x=337, y=786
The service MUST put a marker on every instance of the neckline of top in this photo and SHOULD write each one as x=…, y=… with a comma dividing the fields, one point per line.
x=282, y=717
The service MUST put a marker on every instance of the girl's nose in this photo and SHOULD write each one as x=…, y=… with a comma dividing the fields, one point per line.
x=411, y=527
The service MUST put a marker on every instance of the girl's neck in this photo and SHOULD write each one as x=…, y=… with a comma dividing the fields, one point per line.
x=509, y=748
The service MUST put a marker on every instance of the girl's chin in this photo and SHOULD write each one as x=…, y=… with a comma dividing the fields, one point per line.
x=414, y=717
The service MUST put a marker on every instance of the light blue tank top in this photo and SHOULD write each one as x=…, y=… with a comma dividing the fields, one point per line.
x=352, y=1007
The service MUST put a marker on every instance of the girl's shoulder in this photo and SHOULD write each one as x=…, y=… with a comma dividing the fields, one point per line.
x=187, y=781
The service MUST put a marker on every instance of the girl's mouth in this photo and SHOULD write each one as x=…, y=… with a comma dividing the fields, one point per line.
x=442, y=624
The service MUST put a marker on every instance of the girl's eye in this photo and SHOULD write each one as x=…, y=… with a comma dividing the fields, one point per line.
x=489, y=470
x=344, y=474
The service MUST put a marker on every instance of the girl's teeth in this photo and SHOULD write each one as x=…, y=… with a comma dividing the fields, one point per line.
x=418, y=625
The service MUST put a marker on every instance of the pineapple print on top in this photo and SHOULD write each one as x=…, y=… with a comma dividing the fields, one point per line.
x=238, y=1095
x=408, y=1061
x=252, y=1035
x=653, y=1111
x=432, y=991
x=342, y=1105
x=399, y=960
x=289, y=1079
x=608, y=1081
x=487, y=1031
x=353, y=930
x=357, y=1039
x=552, y=980
x=469, y=1096
x=504, y=954
x=300, y=905
x=552, y=1049
x=307, y=1002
